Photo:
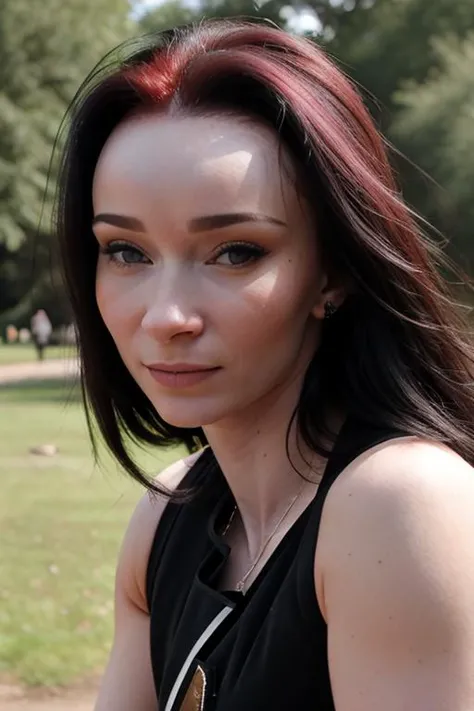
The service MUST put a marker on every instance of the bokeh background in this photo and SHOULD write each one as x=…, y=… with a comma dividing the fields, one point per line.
x=61, y=516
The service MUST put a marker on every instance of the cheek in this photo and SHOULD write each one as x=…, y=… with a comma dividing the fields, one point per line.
x=118, y=307
x=274, y=310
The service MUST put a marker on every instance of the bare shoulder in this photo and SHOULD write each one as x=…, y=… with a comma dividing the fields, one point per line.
x=137, y=542
x=394, y=574
x=405, y=500
x=405, y=472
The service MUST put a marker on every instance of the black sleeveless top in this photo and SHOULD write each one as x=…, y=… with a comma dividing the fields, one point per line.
x=267, y=649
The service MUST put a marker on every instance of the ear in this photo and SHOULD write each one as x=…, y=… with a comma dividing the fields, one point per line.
x=331, y=290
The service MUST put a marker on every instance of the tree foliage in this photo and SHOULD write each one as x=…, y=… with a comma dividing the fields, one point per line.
x=435, y=126
x=384, y=43
x=46, y=50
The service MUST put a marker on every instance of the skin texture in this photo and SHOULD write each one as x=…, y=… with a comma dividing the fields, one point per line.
x=395, y=569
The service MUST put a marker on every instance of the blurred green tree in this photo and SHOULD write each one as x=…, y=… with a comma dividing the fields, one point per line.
x=383, y=43
x=46, y=50
x=413, y=59
x=327, y=14
x=435, y=127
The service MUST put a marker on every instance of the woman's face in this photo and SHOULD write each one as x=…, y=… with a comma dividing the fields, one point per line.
x=208, y=260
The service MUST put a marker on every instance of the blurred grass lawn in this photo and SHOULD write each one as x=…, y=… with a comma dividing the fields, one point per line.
x=25, y=353
x=61, y=523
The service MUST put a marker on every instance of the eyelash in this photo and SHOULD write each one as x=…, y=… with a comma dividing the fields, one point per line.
x=112, y=249
x=256, y=252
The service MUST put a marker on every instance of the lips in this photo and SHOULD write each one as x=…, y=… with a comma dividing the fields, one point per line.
x=179, y=367
x=180, y=375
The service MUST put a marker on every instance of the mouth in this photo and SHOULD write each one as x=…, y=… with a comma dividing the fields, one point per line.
x=180, y=375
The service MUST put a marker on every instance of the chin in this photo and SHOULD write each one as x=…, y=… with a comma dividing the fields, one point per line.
x=186, y=416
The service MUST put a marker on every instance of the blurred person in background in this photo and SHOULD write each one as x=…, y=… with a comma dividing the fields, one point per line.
x=248, y=282
x=41, y=330
x=11, y=333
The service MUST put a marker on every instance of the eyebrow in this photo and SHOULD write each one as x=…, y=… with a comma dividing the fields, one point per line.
x=127, y=223
x=215, y=222
x=197, y=224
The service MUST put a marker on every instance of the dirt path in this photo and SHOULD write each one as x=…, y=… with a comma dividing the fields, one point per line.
x=60, y=368
x=12, y=698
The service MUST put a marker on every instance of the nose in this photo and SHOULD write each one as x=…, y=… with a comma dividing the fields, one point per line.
x=170, y=314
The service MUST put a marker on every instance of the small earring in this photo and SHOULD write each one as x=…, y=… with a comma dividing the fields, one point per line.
x=329, y=309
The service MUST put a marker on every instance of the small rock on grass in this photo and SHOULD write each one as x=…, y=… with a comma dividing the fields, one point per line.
x=45, y=450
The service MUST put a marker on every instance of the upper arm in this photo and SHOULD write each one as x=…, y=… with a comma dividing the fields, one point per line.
x=398, y=580
x=128, y=680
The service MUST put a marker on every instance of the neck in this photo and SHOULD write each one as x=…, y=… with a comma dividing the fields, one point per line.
x=251, y=451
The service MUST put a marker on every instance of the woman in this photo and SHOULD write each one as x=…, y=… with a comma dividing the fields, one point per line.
x=247, y=281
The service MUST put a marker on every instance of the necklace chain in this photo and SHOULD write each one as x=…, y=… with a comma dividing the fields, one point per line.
x=240, y=587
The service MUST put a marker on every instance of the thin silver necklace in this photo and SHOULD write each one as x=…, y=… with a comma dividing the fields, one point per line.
x=240, y=587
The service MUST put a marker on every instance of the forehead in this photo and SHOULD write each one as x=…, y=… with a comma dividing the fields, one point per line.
x=193, y=164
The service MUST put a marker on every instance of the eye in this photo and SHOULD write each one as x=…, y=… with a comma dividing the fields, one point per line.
x=124, y=254
x=238, y=254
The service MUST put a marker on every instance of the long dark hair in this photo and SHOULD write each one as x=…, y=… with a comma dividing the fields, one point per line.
x=397, y=354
